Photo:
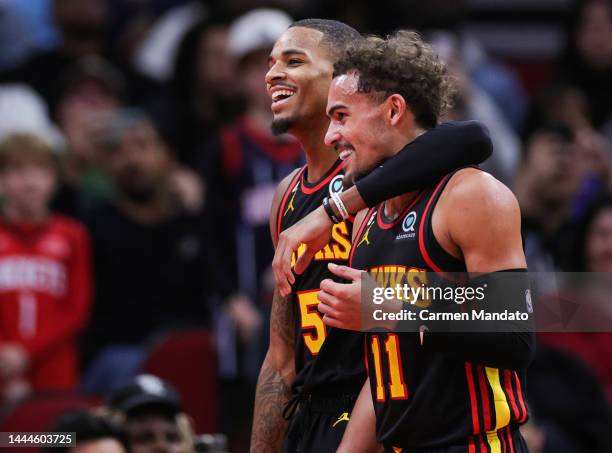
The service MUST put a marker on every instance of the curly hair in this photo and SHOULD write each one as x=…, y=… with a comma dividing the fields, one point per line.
x=400, y=64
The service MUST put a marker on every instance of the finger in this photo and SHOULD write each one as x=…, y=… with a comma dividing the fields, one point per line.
x=329, y=300
x=332, y=322
x=334, y=288
x=345, y=272
x=304, y=261
x=327, y=310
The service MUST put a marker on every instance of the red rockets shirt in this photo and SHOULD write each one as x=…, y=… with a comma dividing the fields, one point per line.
x=45, y=295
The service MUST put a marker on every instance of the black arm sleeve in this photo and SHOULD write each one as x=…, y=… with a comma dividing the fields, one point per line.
x=499, y=344
x=425, y=160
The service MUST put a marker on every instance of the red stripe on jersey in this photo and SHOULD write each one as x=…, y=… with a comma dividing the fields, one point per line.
x=520, y=398
x=232, y=151
x=310, y=190
x=500, y=435
x=365, y=354
x=510, y=393
x=510, y=443
x=484, y=396
x=471, y=446
x=281, y=208
x=472, y=390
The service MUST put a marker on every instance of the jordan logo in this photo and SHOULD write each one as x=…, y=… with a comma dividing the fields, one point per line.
x=344, y=417
x=290, y=205
x=365, y=238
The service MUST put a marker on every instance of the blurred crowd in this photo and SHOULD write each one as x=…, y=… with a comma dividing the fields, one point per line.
x=137, y=170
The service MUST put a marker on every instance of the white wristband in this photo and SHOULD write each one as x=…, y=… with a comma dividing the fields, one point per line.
x=340, y=205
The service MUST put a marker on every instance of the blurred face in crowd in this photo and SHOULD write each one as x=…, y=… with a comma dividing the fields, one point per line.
x=153, y=433
x=298, y=79
x=99, y=446
x=594, y=40
x=139, y=163
x=27, y=187
x=82, y=116
x=252, y=69
x=551, y=165
x=215, y=70
x=599, y=242
x=81, y=18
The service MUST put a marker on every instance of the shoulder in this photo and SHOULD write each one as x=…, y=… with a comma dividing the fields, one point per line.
x=475, y=191
x=281, y=189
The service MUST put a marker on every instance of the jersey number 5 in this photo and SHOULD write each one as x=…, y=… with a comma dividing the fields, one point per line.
x=311, y=319
x=397, y=386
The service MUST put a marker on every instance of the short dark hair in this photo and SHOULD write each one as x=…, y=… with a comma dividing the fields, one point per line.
x=404, y=64
x=337, y=36
x=88, y=427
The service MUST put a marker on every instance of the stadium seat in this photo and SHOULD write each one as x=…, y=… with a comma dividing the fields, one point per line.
x=187, y=360
x=38, y=412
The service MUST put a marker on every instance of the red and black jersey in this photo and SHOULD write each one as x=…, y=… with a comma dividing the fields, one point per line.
x=424, y=399
x=45, y=295
x=339, y=353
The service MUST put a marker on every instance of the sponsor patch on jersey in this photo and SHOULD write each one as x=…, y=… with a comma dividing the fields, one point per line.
x=408, y=225
x=337, y=184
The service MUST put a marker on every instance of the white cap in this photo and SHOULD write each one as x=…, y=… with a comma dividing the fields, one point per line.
x=257, y=30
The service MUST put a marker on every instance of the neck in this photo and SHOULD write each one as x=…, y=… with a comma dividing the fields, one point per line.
x=396, y=205
x=319, y=157
x=154, y=211
x=19, y=214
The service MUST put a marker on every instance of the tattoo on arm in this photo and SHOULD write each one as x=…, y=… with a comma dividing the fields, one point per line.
x=274, y=383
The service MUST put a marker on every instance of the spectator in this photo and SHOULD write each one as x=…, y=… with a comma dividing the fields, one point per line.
x=45, y=276
x=588, y=60
x=204, y=87
x=93, y=434
x=90, y=92
x=149, y=251
x=593, y=254
x=151, y=413
x=472, y=102
x=546, y=186
x=81, y=25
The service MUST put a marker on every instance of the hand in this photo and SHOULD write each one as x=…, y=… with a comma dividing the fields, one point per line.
x=189, y=188
x=14, y=360
x=246, y=316
x=340, y=303
x=315, y=231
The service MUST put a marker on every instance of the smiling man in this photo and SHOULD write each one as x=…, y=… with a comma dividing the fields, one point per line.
x=312, y=374
x=435, y=391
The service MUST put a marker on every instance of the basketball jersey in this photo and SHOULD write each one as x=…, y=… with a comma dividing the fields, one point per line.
x=327, y=360
x=422, y=398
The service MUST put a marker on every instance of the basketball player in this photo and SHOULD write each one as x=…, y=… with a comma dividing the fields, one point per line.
x=310, y=369
x=437, y=392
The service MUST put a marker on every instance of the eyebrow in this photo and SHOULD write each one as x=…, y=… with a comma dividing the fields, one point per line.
x=335, y=107
x=288, y=52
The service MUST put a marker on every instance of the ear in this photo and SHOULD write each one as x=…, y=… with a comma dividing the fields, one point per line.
x=396, y=109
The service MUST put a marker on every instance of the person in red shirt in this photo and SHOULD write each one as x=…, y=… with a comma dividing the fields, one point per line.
x=45, y=274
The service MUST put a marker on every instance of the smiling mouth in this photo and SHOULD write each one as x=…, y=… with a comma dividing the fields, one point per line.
x=345, y=153
x=281, y=95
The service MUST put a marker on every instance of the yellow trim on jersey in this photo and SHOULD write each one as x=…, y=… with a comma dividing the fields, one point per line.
x=344, y=417
x=502, y=408
x=494, y=442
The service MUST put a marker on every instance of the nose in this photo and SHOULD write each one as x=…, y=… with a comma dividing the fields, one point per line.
x=332, y=135
x=274, y=74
